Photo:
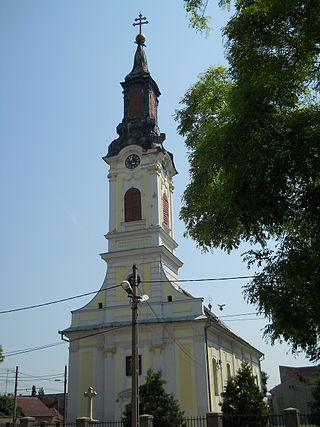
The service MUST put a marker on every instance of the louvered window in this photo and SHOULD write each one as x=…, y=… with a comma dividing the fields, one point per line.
x=135, y=102
x=165, y=205
x=132, y=205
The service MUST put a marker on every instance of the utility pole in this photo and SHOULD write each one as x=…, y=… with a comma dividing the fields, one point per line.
x=134, y=357
x=65, y=397
x=14, y=418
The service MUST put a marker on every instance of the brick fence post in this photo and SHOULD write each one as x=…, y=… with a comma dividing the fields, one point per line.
x=146, y=420
x=291, y=417
x=214, y=419
x=27, y=421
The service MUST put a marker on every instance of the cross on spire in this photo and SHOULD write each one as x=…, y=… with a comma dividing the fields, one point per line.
x=140, y=21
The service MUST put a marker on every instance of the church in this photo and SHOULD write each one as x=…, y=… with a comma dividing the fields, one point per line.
x=195, y=351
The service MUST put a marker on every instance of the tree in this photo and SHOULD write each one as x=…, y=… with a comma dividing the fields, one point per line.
x=155, y=401
x=253, y=134
x=264, y=380
x=7, y=405
x=243, y=400
x=1, y=354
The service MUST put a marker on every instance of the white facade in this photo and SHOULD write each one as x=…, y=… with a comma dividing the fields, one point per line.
x=177, y=334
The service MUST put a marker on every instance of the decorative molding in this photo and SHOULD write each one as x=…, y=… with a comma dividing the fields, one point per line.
x=155, y=168
x=158, y=346
x=112, y=175
x=109, y=350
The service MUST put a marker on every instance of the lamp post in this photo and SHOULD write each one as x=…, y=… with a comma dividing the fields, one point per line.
x=131, y=289
x=134, y=361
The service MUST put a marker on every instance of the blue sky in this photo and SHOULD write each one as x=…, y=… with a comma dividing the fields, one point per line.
x=60, y=102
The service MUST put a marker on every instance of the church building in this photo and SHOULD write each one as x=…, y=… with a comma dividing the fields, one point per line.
x=195, y=351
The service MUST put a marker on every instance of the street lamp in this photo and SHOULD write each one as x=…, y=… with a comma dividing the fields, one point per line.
x=131, y=289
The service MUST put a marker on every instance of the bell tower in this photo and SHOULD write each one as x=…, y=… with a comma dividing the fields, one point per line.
x=141, y=169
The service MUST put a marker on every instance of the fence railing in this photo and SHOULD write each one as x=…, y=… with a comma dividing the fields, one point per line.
x=302, y=420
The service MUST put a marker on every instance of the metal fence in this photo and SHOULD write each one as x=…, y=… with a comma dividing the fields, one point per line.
x=310, y=420
x=201, y=421
x=267, y=421
x=187, y=422
x=119, y=423
x=195, y=422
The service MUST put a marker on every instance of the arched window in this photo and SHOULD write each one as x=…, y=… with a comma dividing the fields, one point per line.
x=228, y=370
x=165, y=206
x=215, y=377
x=132, y=205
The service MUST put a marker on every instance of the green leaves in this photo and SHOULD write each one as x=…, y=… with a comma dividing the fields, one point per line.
x=253, y=135
x=196, y=10
x=7, y=406
x=155, y=401
x=243, y=400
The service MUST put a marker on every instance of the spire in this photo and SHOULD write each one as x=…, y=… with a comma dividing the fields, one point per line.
x=140, y=65
x=139, y=125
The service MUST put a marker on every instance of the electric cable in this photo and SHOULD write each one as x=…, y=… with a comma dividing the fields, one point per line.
x=57, y=301
x=175, y=339
x=31, y=349
x=12, y=310
x=244, y=320
x=209, y=279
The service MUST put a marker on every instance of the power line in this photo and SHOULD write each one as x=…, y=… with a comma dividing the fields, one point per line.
x=236, y=315
x=212, y=279
x=244, y=320
x=57, y=301
x=175, y=339
x=31, y=349
x=43, y=347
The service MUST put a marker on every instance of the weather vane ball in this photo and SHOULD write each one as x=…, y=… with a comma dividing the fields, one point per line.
x=140, y=39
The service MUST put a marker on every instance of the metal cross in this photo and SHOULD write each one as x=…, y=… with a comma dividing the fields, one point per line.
x=90, y=394
x=141, y=20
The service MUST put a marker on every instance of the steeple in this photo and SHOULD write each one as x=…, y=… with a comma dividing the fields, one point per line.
x=139, y=125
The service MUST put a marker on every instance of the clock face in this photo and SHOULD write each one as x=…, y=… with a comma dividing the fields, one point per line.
x=132, y=161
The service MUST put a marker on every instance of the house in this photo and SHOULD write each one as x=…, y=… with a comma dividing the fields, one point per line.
x=195, y=351
x=54, y=401
x=295, y=389
x=32, y=406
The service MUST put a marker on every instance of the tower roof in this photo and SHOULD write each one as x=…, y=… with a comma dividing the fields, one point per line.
x=140, y=65
x=139, y=125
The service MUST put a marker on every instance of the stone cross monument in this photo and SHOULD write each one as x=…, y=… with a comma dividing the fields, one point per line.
x=90, y=394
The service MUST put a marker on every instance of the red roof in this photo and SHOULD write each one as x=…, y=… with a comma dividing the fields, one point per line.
x=33, y=407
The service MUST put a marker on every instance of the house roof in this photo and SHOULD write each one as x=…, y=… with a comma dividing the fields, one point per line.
x=31, y=406
x=307, y=374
